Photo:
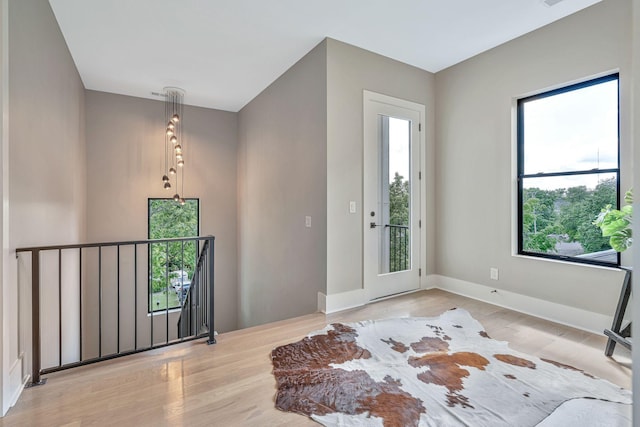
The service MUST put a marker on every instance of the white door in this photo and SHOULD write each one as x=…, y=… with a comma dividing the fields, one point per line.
x=393, y=143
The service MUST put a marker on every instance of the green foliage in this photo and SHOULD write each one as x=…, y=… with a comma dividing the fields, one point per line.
x=399, y=252
x=168, y=219
x=616, y=224
x=539, y=242
x=549, y=217
x=537, y=222
x=399, y=201
x=565, y=215
x=571, y=215
x=162, y=300
x=585, y=209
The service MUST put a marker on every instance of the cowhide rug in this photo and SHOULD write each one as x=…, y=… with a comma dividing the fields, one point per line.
x=443, y=371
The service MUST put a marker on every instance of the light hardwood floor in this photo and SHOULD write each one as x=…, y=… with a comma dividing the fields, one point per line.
x=230, y=383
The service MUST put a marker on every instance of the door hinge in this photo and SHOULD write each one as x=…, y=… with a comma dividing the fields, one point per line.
x=419, y=272
x=419, y=175
x=419, y=127
x=419, y=223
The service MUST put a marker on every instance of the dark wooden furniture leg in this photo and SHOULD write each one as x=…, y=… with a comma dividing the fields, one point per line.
x=616, y=334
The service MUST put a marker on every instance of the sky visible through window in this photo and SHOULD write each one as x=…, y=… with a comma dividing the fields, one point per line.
x=579, y=128
x=571, y=131
x=399, y=142
x=568, y=152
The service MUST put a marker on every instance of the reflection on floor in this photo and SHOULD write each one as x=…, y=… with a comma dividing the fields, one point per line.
x=230, y=383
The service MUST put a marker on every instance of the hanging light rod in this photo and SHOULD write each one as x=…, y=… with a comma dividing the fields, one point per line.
x=173, y=141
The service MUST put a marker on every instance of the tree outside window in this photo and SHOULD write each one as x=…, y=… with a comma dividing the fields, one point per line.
x=171, y=265
x=400, y=244
x=568, y=170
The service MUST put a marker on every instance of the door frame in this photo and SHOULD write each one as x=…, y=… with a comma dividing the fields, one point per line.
x=369, y=98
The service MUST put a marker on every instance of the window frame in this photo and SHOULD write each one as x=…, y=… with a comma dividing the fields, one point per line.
x=521, y=176
x=149, y=266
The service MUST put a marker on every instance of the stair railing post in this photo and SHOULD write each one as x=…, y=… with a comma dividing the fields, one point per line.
x=212, y=339
x=35, y=318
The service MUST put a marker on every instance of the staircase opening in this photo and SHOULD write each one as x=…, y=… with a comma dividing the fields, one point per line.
x=90, y=301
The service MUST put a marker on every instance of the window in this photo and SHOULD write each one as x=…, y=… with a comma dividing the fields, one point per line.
x=171, y=265
x=568, y=170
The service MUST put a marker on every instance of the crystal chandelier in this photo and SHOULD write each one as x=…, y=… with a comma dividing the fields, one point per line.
x=174, y=142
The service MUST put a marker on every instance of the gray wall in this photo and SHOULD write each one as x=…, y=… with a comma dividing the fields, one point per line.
x=282, y=179
x=46, y=170
x=475, y=143
x=295, y=150
x=5, y=360
x=125, y=164
x=350, y=70
x=635, y=138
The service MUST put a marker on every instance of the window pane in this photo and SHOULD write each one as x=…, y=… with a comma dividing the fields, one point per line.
x=171, y=264
x=558, y=215
x=571, y=131
x=395, y=188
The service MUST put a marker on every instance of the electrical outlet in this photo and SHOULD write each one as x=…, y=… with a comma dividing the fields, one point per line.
x=493, y=273
x=307, y=221
x=352, y=207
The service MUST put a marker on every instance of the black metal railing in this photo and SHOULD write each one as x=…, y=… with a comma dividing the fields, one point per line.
x=399, y=245
x=95, y=300
x=197, y=303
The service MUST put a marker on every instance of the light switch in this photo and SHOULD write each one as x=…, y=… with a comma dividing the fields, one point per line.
x=352, y=207
x=307, y=221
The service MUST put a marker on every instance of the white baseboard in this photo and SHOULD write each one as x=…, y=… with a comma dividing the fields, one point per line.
x=559, y=313
x=322, y=302
x=341, y=301
x=16, y=384
x=429, y=282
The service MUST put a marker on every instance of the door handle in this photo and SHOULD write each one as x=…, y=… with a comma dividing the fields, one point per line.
x=374, y=225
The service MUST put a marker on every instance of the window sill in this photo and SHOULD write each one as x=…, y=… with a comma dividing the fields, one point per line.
x=162, y=312
x=571, y=263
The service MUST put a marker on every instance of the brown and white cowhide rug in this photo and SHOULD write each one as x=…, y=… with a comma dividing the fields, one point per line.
x=442, y=371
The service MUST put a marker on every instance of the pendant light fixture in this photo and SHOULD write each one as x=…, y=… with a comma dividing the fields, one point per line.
x=174, y=142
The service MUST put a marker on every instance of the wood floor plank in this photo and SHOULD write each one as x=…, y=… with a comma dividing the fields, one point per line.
x=230, y=383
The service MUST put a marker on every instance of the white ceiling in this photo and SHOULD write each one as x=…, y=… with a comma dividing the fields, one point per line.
x=224, y=53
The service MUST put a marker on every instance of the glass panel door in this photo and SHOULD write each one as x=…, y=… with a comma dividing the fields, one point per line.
x=393, y=141
x=395, y=195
